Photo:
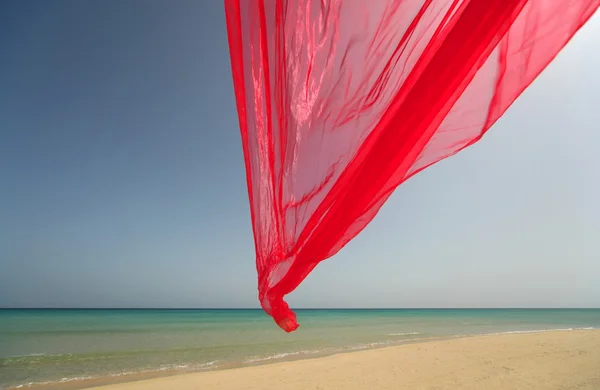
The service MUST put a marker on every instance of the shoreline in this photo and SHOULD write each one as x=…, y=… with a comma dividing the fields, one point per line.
x=409, y=353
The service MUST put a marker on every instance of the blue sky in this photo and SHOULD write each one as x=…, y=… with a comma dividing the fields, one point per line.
x=122, y=180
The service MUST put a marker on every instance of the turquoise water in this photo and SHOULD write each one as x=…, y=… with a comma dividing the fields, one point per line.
x=64, y=347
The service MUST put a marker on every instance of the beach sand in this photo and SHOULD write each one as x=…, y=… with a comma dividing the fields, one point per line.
x=545, y=360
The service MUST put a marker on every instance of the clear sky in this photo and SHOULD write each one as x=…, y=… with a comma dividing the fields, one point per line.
x=122, y=181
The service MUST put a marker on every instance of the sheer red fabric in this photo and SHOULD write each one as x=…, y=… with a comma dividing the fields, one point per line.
x=340, y=101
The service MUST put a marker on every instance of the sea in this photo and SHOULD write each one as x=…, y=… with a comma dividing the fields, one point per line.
x=71, y=349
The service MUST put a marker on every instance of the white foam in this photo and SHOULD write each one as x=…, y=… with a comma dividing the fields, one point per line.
x=404, y=334
x=30, y=354
x=63, y=380
x=257, y=359
x=540, y=331
x=166, y=367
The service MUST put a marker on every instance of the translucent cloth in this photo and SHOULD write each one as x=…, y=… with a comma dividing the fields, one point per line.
x=340, y=101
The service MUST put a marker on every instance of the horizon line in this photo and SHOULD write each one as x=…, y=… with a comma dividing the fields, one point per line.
x=303, y=308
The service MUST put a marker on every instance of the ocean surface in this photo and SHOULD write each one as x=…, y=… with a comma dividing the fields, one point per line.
x=69, y=349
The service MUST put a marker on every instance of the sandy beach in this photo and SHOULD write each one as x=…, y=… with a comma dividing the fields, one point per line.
x=544, y=360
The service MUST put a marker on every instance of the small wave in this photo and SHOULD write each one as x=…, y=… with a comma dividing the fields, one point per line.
x=404, y=334
x=258, y=359
x=166, y=367
x=28, y=355
x=333, y=350
x=368, y=345
x=31, y=358
x=378, y=344
x=540, y=331
x=63, y=380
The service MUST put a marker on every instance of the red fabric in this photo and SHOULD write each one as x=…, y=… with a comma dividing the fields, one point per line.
x=340, y=101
